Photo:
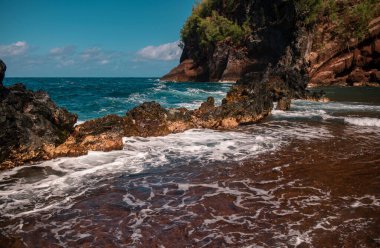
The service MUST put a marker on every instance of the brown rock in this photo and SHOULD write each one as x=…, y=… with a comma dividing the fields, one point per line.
x=186, y=71
x=229, y=123
x=366, y=51
x=322, y=77
x=374, y=76
x=283, y=104
x=356, y=76
x=208, y=105
x=376, y=46
x=147, y=119
x=312, y=58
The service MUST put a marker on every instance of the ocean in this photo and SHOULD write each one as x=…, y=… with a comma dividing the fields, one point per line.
x=307, y=177
x=96, y=97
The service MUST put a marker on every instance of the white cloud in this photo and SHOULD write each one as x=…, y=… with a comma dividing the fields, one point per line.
x=61, y=51
x=92, y=54
x=104, y=62
x=14, y=49
x=166, y=52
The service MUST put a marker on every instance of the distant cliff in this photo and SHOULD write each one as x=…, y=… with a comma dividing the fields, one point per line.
x=335, y=42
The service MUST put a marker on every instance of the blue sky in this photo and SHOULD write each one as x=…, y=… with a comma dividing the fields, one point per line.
x=113, y=38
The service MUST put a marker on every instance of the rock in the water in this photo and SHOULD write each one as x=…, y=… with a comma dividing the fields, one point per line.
x=30, y=123
x=3, y=68
x=283, y=104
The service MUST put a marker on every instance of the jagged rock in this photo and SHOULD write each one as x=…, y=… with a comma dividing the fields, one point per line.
x=340, y=62
x=3, y=68
x=30, y=122
x=187, y=71
x=283, y=104
x=357, y=76
x=374, y=76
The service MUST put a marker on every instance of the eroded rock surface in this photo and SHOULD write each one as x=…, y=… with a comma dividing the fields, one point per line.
x=353, y=63
x=30, y=122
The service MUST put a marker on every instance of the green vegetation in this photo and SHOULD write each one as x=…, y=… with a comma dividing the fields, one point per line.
x=215, y=21
x=351, y=17
x=361, y=14
x=309, y=9
x=208, y=27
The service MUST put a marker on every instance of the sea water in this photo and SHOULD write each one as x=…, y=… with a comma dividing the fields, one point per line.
x=96, y=97
x=305, y=177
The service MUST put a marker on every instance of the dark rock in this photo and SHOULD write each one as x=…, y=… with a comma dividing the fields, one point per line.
x=147, y=119
x=102, y=134
x=374, y=76
x=3, y=68
x=207, y=106
x=356, y=76
x=30, y=124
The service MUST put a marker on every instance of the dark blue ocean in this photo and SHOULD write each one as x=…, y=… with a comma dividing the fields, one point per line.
x=95, y=97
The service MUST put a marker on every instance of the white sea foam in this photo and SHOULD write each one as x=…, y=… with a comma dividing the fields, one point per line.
x=79, y=122
x=61, y=180
x=333, y=106
x=363, y=121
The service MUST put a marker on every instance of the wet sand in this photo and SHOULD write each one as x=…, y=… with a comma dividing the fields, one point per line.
x=320, y=193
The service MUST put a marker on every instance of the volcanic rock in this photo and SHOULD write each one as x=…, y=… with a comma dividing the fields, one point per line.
x=30, y=122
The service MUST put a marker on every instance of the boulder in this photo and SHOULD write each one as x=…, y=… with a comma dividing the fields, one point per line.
x=30, y=122
x=374, y=76
x=283, y=104
x=3, y=68
x=356, y=76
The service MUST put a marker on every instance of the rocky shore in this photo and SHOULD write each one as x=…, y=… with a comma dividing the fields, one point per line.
x=36, y=129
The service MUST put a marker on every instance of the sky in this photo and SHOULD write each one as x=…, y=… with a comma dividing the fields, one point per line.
x=91, y=38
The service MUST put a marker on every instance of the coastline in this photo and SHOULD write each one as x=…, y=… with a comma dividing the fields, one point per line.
x=306, y=190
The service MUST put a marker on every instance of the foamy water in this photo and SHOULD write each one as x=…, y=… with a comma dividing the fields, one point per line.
x=197, y=189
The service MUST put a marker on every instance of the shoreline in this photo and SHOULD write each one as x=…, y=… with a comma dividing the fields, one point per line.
x=297, y=186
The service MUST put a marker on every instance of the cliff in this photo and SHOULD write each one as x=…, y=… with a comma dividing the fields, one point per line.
x=338, y=41
x=270, y=63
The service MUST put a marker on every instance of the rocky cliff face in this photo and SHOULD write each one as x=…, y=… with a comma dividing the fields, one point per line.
x=352, y=62
x=272, y=63
x=320, y=32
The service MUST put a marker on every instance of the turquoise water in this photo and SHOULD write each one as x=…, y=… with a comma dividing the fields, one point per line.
x=95, y=97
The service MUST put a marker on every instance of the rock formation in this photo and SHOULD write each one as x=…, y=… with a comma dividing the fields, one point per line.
x=151, y=119
x=352, y=63
x=30, y=121
x=335, y=39
x=3, y=68
x=273, y=63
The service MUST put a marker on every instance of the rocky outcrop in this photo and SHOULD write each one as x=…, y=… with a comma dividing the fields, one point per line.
x=3, y=68
x=326, y=32
x=352, y=63
x=35, y=129
x=151, y=119
x=271, y=60
x=187, y=71
x=30, y=122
